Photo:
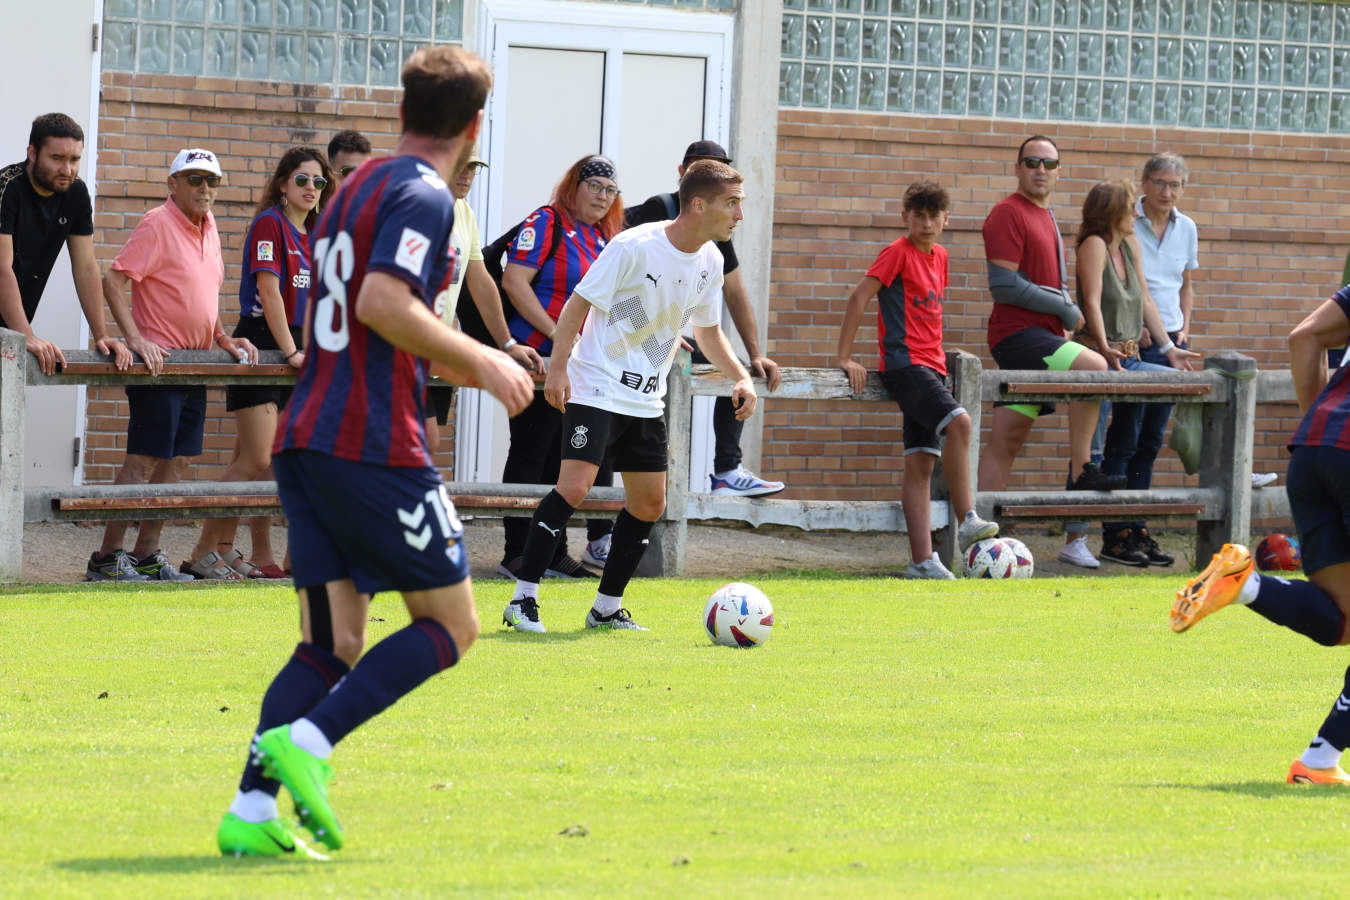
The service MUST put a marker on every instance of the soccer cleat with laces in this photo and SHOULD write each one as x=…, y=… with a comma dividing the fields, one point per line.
x=306, y=777
x=522, y=614
x=973, y=529
x=1218, y=585
x=157, y=567
x=619, y=620
x=1301, y=774
x=116, y=566
x=739, y=482
x=275, y=837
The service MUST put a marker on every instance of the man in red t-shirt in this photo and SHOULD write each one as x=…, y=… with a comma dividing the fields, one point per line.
x=911, y=277
x=1032, y=310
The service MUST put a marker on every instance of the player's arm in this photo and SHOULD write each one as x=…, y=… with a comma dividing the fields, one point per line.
x=49, y=356
x=1179, y=358
x=737, y=301
x=853, y=313
x=1327, y=326
x=387, y=305
x=1091, y=269
x=516, y=283
x=557, y=386
x=1010, y=286
x=115, y=285
x=714, y=345
x=89, y=288
x=489, y=303
x=274, y=313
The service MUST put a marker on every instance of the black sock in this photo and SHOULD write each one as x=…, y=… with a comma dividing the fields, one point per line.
x=301, y=685
x=1301, y=606
x=546, y=529
x=626, y=548
x=1335, y=728
x=390, y=669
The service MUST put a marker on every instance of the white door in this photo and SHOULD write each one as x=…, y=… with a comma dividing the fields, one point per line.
x=636, y=84
x=55, y=39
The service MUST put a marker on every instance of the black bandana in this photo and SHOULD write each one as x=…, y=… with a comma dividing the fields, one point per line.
x=597, y=167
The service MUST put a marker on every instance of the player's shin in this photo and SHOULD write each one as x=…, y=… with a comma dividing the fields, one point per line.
x=546, y=530
x=626, y=547
x=1300, y=606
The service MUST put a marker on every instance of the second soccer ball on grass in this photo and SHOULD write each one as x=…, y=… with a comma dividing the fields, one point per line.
x=998, y=558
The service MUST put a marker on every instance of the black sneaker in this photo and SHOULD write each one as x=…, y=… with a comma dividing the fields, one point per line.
x=618, y=620
x=1094, y=479
x=567, y=567
x=1144, y=542
x=1119, y=547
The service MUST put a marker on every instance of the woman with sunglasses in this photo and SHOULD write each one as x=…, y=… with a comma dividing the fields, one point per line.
x=553, y=250
x=273, y=290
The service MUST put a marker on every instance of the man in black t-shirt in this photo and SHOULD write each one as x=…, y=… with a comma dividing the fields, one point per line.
x=729, y=477
x=43, y=206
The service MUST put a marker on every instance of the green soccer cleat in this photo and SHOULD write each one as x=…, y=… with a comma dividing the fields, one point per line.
x=306, y=777
x=275, y=837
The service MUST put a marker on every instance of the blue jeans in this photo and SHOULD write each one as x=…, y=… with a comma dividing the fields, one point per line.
x=1135, y=436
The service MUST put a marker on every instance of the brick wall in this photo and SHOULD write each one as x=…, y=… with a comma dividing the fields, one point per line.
x=143, y=121
x=1271, y=215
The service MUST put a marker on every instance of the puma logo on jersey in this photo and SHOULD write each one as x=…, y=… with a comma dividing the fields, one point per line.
x=654, y=279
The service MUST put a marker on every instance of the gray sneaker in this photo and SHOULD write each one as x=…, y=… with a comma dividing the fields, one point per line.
x=930, y=568
x=973, y=529
x=522, y=614
x=619, y=620
x=157, y=567
x=116, y=566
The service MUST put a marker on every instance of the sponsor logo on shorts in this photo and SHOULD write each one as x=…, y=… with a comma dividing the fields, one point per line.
x=525, y=240
x=412, y=250
x=579, y=438
x=264, y=251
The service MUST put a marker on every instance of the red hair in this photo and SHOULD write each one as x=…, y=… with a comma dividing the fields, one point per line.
x=611, y=224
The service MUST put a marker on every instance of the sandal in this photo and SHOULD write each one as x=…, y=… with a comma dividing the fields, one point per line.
x=212, y=567
x=235, y=560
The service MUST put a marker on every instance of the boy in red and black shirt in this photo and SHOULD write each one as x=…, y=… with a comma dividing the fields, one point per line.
x=911, y=277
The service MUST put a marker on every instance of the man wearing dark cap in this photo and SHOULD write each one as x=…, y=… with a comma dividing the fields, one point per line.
x=729, y=477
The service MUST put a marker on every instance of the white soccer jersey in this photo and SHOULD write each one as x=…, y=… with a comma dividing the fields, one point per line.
x=642, y=291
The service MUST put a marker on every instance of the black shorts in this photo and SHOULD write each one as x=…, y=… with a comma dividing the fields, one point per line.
x=165, y=421
x=1035, y=348
x=1318, y=484
x=632, y=444
x=246, y=396
x=927, y=405
x=439, y=399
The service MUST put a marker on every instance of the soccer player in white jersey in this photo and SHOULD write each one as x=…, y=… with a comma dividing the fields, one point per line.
x=610, y=383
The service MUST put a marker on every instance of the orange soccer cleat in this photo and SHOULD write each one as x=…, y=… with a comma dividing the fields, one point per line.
x=1217, y=585
x=1301, y=774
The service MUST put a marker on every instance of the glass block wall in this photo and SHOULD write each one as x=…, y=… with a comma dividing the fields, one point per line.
x=1263, y=65
x=311, y=41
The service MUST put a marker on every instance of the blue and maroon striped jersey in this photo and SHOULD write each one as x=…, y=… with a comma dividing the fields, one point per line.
x=560, y=268
x=358, y=397
x=277, y=246
x=1327, y=422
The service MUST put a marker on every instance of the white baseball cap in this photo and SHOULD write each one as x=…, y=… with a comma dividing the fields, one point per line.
x=196, y=160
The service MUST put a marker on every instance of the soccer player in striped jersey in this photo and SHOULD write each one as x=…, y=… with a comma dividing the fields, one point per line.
x=367, y=509
x=1319, y=497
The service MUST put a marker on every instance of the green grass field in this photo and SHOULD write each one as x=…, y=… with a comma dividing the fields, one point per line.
x=1040, y=738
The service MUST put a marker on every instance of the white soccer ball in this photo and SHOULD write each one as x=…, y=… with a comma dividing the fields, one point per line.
x=1023, y=563
x=990, y=558
x=738, y=615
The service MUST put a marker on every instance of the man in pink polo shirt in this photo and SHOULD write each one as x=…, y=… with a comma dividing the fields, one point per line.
x=173, y=263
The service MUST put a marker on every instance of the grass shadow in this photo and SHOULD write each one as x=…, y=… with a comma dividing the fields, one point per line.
x=189, y=865
x=1263, y=789
x=519, y=637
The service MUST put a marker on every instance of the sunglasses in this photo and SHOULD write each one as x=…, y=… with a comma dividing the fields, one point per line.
x=597, y=187
x=346, y=170
x=301, y=179
x=1035, y=162
x=196, y=178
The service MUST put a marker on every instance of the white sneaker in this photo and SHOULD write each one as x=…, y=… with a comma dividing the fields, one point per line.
x=619, y=620
x=973, y=529
x=930, y=568
x=596, y=552
x=1076, y=553
x=1261, y=479
x=738, y=482
x=522, y=614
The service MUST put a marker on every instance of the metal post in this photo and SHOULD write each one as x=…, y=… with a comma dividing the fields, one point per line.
x=13, y=368
x=964, y=369
x=1226, y=461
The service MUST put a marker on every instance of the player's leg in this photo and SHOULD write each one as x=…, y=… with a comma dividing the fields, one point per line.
x=644, y=501
x=1320, y=763
x=575, y=477
x=534, y=435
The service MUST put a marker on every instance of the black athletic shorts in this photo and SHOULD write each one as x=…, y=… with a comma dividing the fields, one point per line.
x=244, y=396
x=633, y=444
x=1035, y=348
x=1318, y=485
x=439, y=399
x=927, y=405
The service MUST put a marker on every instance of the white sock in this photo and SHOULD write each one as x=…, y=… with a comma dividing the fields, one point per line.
x=307, y=736
x=254, y=806
x=606, y=605
x=1250, y=587
x=1320, y=755
x=526, y=589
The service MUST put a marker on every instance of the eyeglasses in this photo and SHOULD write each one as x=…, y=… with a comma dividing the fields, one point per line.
x=346, y=170
x=597, y=187
x=1169, y=185
x=1035, y=162
x=196, y=178
x=301, y=179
